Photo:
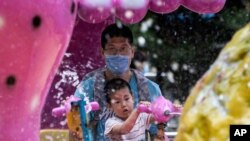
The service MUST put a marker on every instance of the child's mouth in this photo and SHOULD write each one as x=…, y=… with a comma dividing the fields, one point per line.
x=125, y=110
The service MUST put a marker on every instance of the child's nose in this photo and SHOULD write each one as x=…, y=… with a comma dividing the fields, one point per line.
x=123, y=103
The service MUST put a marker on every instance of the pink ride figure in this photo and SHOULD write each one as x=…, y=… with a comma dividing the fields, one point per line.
x=60, y=111
x=162, y=110
x=33, y=38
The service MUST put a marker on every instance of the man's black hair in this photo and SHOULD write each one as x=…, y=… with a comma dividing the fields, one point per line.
x=113, y=85
x=116, y=30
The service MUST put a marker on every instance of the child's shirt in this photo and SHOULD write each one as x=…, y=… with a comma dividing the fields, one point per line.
x=136, y=134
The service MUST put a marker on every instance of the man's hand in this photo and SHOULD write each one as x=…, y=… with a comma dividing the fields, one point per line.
x=75, y=136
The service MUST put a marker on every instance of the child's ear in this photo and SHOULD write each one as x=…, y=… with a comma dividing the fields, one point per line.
x=109, y=106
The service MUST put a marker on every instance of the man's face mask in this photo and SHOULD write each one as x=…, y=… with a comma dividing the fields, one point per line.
x=117, y=64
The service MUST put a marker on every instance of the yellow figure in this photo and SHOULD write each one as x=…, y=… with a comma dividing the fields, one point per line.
x=74, y=124
x=54, y=135
x=222, y=96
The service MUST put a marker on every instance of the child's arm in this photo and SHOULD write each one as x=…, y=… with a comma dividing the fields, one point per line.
x=126, y=126
x=151, y=118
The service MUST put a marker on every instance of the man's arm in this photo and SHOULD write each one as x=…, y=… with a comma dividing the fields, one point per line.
x=154, y=90
x=85, y=89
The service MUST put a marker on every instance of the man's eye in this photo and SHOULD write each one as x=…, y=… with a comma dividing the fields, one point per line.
x=110, y=48
x=124, y=48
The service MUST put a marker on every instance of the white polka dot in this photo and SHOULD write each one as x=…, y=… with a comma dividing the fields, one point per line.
x=1, y=22
x=22, y=130
x=34, y=102
x=129, y=14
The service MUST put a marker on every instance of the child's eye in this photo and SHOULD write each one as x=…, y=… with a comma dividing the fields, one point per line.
x=127, y=99
x=117, y=102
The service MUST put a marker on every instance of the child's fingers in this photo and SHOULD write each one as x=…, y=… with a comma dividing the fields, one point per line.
x=145, y=103
x=178, y=106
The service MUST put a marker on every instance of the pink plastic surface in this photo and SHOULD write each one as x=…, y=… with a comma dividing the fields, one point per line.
x=34, y=35
x=131, y=13
x=94, y=11
x=144, y=108
x=164, y=6
x=59, y=111
x=204, y=6
x=94, y=106
x=158, y=109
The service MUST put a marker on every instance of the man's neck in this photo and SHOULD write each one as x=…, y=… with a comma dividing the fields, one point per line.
x=126, y=76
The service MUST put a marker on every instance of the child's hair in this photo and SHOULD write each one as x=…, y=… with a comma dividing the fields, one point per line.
x=113, y=85
x=116, y=30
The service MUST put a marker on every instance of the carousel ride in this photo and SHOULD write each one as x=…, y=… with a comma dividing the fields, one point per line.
x=34, y=40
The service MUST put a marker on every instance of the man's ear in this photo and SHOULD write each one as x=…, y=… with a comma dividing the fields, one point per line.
x=133, y=51
x=102, y=52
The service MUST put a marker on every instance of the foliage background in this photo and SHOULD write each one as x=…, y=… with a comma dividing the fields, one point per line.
x=182, y=45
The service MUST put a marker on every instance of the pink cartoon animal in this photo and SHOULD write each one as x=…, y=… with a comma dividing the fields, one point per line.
x=34, y=35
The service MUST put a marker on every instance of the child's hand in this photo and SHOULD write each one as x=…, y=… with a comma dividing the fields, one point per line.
x=143, y=106
x=75, y=136
x=146, y=103
x=178, y=107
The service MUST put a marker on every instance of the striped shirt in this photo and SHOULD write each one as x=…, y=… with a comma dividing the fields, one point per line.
x=137, y=133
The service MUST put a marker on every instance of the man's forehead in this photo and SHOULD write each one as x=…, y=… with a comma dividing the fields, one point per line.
x=118, y=40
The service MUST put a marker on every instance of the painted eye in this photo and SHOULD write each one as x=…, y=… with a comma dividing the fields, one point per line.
x=73, y=8
x=36, y=21
x=10, y=80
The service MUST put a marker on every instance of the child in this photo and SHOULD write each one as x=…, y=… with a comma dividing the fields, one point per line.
x=127, y=123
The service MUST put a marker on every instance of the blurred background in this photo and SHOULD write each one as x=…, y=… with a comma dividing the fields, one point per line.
x=180, y=47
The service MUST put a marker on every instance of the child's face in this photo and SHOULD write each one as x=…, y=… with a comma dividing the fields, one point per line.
x=122, y=103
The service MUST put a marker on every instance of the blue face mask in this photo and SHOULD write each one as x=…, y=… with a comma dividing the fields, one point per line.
x=117, y=64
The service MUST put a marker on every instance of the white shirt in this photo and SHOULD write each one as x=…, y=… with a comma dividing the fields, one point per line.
x=136, y=134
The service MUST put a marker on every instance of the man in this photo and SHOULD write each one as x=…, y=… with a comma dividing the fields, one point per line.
x=118, y=51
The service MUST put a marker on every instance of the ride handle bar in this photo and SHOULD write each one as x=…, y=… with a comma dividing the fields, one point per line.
x=62, y=110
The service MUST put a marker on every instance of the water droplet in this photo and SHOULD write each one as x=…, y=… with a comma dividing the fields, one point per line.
x=129, y=14
x=1, y=22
